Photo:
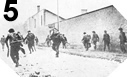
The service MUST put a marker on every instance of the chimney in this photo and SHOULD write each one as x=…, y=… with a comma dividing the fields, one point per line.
x=83, y=11
x=38, y=8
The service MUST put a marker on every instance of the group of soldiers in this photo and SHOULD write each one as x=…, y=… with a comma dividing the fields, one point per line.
x=106, y=39
x=15, y=45
x=55, y=31
x=16, y=42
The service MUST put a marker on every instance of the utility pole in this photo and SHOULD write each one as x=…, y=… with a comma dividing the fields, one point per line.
x=58, y=24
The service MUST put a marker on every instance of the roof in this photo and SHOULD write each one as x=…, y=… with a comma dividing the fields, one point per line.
x=53, y=14
x=49, y=12
x=90, y=12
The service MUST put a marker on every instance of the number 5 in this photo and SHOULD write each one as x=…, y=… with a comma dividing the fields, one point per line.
x=7, y=9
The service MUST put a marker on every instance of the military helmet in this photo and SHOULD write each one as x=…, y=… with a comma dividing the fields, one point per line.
x=93, y=31
x=11, y=30
x=120, y=28
x=105, y=31
x=84, y=33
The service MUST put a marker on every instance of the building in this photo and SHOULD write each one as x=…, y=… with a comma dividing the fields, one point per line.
x=106, y=18
x=39, y=22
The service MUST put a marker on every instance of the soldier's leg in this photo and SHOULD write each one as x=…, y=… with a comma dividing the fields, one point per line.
x=29, y=47
x=14, y=54
x=57, y=50
x=53, y=47
x=122, y=47
x=17, y=48
x=23, y=50
x=104, y=46
x=95, y=45
x=3, y=47
x=87, y=46
x=108, y=45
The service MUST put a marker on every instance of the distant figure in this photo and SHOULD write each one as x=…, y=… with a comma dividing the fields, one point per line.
x=64, y=42
x=3, y=42
x=14, y=46
x=85, y=41
x=30, y=38
x=95, y=39
x=106, y=39
x=20, y=37
x=48, y=41
x=36, y=40
x=122, y=38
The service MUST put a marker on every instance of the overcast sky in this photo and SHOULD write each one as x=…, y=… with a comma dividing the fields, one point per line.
x=67, y=8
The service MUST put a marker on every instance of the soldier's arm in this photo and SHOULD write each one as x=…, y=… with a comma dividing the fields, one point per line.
x=6, y=41
x=98, y=37
x=25, y=38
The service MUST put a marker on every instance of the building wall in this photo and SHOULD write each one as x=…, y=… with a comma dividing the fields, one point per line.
x=38, y=23
x=50, y=18
x=104, y=19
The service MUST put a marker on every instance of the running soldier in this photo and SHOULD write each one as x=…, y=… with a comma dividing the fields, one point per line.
x=30, y=38
x=85, y=41
x=106, y=39
x=122, y=38
x=64, y=42
x=14, y=46
x=95, y=39
x=20, y=37
x=36, y=39
x=48, y=41
x=3, y=42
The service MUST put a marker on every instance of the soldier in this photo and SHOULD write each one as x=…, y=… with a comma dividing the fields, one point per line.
x=30, y=41
x=14, y=46
x=48, y=41
x=36, y=39
x=64, y=41
x=2, y=42
x=85, y=41
x=95, y=39
x=106, y=39
x=122, y=38
x=54, y=32
x=20, y=37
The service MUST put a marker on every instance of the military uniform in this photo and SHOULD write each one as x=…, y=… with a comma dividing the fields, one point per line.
x=85, y=41
x=3, y=42
x=122, y=38
x=14, y=46
x=95, y=39
x=30, y=41
x=106, y=39
x=64, y=41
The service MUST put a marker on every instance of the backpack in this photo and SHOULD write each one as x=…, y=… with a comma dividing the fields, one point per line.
x=106, y=37
x=31, y=36
x=95, y=37
x=14, y=37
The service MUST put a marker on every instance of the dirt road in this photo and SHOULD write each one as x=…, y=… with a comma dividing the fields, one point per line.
x=43, y=63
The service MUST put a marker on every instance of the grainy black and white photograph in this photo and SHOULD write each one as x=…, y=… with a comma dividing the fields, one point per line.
x=63, y=38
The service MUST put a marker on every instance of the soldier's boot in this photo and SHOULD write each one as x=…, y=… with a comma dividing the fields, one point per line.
x=57, y=54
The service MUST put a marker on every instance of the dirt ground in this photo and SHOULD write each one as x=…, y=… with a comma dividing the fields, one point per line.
x=71, y=63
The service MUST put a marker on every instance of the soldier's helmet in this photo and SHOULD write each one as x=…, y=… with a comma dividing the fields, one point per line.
x=84, y=33
x=120, y=28
x=29, y=31
x=105, y=31
x=11, y=30
x=93, y=31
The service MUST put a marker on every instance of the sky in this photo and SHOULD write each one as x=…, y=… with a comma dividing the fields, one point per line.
x=67, y=8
